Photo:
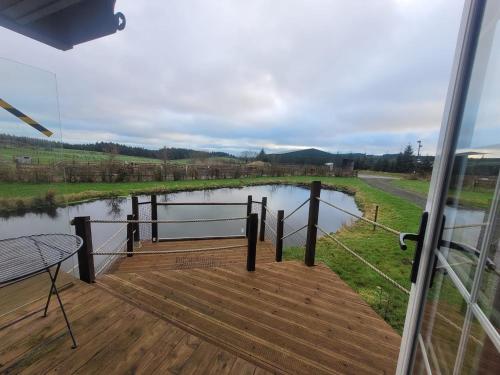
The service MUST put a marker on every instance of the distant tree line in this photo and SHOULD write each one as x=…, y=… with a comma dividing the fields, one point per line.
x=168, y=153
x=404, y=162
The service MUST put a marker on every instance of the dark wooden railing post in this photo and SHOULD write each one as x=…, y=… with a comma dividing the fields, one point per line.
x=154, y=216
x=279, y=235
x=263, y=212
x=249, y=211
x=130, y=235
x=253, y=227
x=85, y=256
x=135, y=212
x=375, y=217
x=312, y=230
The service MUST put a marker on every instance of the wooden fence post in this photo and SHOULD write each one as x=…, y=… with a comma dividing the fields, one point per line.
x=376, y=216
x=312, y=230
x=135, y=212
x=154, y=216
x=85, y=256
x=263, y=212
x=249, y=211
x=253, y=223
x=130, y=235
x=279, y=235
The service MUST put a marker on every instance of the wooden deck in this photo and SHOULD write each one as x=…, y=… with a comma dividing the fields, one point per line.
x=203, y=313
x=186, y=260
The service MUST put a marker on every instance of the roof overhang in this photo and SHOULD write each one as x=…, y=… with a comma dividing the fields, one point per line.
x=61, y=23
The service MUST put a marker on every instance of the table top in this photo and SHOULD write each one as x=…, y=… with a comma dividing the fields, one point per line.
x=24, y=256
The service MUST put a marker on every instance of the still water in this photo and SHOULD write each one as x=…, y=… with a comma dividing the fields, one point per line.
x=279, y=197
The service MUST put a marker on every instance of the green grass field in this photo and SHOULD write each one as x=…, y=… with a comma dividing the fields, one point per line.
x=479, y=198
x=378, y=247
x=55, y=155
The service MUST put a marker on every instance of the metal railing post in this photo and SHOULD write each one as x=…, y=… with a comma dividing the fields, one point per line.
x=135, y=212
x=249, y=211
x=85, y=257
x=253, y=223
x=279, y=235
x=312, y=230
x=130, y=235
x=154, y=216
x=263, y=211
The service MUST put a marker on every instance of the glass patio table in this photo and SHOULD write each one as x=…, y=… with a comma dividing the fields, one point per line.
x=24, y=257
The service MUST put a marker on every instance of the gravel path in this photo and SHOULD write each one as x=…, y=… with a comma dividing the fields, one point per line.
x=385, y=183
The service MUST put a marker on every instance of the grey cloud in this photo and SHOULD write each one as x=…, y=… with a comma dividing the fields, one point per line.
x=276, y=74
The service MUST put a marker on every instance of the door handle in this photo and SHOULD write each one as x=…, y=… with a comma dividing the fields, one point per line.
x=419, y=239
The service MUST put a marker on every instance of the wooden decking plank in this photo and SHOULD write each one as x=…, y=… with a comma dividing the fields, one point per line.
x=24, y=336
x=114, y=350
x=283, y=277
x=59, y=349
x=305, y=304
x=152, y=358
x=352, y=349
x=332, y=329
x=249, y=346
x=173, y=362
x=16, y=317
x=200, y=360
x=222, y=364
x=242, y=367
x=296, y=294
x=128, y=357
x=242, y=320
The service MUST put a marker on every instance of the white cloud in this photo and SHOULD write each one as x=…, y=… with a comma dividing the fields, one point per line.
x=238, y=74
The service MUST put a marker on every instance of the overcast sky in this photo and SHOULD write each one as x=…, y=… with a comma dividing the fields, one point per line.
x=363, y=76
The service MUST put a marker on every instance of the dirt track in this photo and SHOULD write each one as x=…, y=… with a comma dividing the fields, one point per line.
x=385, y=184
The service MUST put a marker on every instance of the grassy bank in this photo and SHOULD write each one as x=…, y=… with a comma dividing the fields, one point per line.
x=479, y=198
x=378, y=247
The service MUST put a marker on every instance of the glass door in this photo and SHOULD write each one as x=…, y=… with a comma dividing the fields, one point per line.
x=453, y=320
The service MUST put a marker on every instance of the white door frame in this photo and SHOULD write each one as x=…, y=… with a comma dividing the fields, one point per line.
x=450, y=126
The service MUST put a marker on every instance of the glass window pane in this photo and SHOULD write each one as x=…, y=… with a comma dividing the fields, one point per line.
x=442, y=323
x=481, y=356
x=477, y=158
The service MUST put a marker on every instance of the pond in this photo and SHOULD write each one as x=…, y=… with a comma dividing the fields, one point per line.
x=279, y=197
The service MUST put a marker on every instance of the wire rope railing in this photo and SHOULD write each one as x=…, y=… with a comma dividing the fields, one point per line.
x=382, y=226
x=294, y=232
x=144, y=218
x=173, y=251
x=296, y=209
x=364, y=261
x=179, y=221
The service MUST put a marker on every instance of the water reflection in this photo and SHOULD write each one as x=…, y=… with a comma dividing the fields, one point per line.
x=115, y=207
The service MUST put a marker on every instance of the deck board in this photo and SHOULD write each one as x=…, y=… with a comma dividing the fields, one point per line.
x=284, y=317
x=114, y=337
x=203, y=313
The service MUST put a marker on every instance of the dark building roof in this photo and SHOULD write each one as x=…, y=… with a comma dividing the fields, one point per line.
x=61, y=23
